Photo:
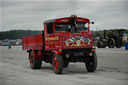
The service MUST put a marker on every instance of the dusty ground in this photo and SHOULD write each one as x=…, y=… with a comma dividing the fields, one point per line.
x=112, y=70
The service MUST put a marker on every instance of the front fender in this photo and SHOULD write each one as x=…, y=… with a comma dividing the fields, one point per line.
x=56, y=51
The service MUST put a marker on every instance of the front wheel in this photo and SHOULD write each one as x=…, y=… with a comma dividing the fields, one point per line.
x=91, y=64
x=57, y=63
x=101, y=44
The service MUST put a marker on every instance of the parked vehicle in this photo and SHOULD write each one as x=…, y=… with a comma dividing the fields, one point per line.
x=112, y=38
x=63, y=40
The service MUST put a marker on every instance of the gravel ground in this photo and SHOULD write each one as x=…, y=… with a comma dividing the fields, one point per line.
x=15, y=70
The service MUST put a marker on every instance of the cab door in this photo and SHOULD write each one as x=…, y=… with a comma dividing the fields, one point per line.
x=50, y=38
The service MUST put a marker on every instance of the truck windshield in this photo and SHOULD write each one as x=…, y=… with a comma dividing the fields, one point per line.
x=62, y=27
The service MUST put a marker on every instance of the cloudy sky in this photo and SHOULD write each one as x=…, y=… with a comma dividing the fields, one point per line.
x=30, y=14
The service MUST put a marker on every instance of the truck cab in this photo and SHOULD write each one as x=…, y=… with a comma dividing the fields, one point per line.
x=67, y=33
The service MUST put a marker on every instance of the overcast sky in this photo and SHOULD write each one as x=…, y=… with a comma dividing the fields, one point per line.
x=30, y=14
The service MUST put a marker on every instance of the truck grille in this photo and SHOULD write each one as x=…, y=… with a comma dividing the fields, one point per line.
x=76, y=50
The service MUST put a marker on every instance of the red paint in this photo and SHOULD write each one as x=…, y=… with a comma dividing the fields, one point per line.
x=55, y=63
x=56, y=51
x=31, y=60
x=55, y=41
x=93, y=49
x=32, y=42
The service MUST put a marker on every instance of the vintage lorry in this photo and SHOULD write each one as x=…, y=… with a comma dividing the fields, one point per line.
x=63, y=40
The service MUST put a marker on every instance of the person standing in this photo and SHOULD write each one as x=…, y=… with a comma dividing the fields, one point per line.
x=126, y=44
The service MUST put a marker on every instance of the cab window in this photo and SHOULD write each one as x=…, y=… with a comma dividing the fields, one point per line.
x=50, y=28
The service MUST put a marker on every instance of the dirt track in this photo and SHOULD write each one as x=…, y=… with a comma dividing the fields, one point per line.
x=112, y=70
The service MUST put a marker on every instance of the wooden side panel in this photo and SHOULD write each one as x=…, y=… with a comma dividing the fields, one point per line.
x=32, y=42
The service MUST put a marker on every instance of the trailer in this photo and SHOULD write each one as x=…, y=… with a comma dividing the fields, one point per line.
x=62, y=41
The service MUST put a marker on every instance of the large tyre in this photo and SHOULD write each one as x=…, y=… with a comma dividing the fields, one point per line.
x=34, y=63
x=111, y=43
x=101, y=44
x=57, y=63
x=118, y=44
x=91, y=64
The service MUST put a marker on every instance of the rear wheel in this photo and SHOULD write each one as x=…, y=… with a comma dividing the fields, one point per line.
x=34, y=63
x=91, y=64
x=111, y=43
x=57, y=63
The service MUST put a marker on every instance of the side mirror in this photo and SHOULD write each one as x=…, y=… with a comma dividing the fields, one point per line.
x=91, y=22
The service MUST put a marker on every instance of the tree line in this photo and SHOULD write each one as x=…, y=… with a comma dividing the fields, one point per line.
x=17, y=34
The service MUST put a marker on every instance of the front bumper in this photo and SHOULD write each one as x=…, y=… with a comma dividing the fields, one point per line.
x=78, y=50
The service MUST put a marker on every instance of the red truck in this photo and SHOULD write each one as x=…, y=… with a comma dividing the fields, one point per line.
x=63, y=40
